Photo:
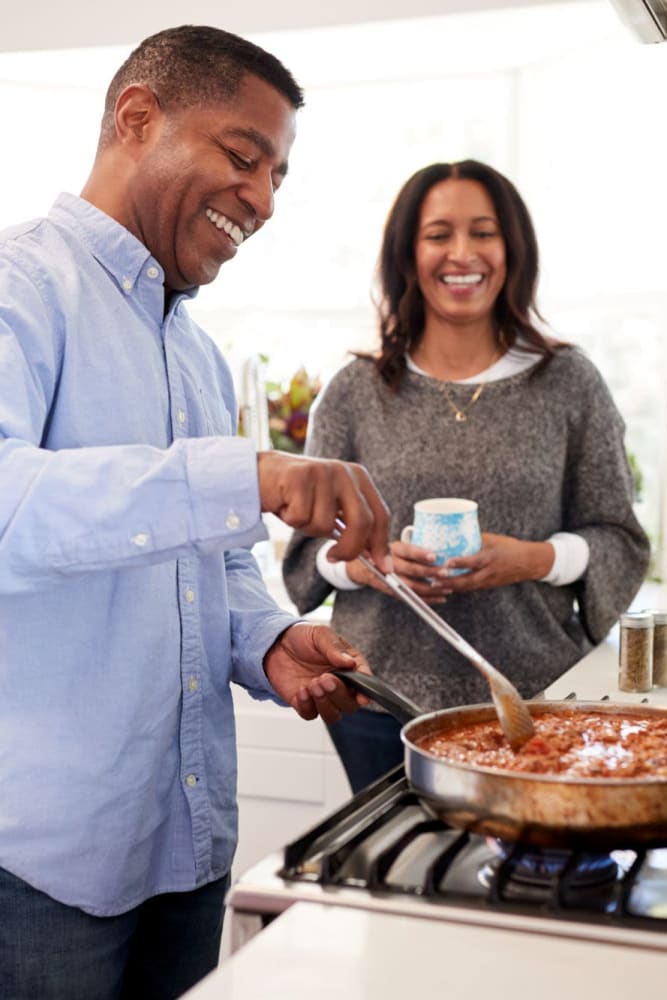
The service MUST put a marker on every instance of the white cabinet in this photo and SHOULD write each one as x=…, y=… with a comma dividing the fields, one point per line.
x=289, y=777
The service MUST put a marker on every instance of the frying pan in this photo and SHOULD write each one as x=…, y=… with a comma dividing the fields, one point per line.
x=545, y=810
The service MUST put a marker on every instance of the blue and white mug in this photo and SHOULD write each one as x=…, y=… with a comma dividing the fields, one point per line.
x=448, y=526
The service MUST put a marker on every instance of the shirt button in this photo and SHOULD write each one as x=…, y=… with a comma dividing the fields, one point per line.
x=233, y=520
x=140, y=539
x=152, y=272
x=191, y=780
x=127, y=284
x=189, y=596
x=180, y=416
x=193, y=684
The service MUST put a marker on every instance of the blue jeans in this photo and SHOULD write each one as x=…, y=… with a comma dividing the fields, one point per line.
x=49, y=951
x=368, y=744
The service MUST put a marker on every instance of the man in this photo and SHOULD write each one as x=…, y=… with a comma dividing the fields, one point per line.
x=128, y=598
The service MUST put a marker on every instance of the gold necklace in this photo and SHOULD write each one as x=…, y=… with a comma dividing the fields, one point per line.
x=462, y=414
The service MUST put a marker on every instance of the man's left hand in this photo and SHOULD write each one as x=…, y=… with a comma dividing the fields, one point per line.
x=297, y=665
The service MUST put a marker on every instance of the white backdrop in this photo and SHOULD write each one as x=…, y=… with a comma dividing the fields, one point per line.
x=558, y=96
x=62, y=24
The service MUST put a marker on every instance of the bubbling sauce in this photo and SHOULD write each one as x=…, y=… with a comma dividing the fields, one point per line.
x=569, y=744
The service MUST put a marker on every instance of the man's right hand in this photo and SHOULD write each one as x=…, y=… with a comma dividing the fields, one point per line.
x=311, y=494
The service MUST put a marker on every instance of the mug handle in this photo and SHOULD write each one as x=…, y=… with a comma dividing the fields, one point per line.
x=406, y=534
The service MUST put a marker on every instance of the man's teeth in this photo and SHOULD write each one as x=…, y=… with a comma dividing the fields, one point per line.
x=221, y=221
x=461, y=279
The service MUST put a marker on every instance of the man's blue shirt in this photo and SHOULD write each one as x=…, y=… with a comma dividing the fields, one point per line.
x=128, y=597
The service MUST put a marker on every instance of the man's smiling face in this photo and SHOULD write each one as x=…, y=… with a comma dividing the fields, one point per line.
x=207, y=181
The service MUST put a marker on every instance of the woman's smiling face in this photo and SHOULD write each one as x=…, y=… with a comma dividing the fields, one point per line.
x=459, y=252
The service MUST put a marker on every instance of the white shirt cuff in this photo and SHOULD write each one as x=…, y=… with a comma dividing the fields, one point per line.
x=334, y=573
x=571, y=555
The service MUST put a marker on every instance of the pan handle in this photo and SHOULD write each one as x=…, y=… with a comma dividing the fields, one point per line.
x=395, y=703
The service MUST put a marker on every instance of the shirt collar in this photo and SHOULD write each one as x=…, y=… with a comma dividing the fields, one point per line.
x=114, y=246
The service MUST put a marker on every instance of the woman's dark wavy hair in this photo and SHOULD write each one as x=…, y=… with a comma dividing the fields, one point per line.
x=400, y=303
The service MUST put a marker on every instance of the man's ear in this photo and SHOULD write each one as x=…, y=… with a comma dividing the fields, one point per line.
x=136, y=110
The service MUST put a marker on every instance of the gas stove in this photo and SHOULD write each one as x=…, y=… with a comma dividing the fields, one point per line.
x=384, y=851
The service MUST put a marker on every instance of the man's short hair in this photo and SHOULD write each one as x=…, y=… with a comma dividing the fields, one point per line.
x=192, y=66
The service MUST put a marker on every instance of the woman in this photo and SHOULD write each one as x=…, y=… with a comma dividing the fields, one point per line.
x=468, y=398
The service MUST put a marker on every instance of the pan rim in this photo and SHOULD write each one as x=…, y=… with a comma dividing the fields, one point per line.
x=541, y=706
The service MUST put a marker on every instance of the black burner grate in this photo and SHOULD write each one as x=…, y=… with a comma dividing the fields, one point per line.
x=385, y=840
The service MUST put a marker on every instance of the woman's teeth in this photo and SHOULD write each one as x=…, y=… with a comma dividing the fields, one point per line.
x=221, y=221
x=461, y=279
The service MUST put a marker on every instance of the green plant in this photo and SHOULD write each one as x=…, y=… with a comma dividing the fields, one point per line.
x=289, y=409
x=637, y=477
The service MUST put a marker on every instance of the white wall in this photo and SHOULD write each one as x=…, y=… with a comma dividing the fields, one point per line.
x=63, y=24
x=558, y=95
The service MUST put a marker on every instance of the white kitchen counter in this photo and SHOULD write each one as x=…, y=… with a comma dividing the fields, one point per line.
x=317, y=952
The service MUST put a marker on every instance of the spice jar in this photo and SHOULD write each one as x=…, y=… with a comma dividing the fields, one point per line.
x=660, y=648
x=635, y=671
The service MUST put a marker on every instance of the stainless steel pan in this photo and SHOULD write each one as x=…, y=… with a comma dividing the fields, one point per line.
x=549, y=811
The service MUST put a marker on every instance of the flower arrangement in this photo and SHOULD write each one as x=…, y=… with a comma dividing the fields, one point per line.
x=289, y=408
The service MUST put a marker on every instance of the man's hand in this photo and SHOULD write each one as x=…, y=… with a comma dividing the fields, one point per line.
x=312, y=493
x=297, y=664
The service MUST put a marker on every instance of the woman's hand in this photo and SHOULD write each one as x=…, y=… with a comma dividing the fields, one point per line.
x=500, y=561
x=414, y=565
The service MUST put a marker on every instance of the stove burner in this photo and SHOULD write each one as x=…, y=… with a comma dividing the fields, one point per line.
x=531, y=873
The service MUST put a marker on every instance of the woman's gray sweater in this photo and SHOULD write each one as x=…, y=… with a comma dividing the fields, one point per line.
x=541, y=452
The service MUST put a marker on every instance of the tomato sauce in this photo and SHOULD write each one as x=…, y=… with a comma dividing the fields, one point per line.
x=568, y=744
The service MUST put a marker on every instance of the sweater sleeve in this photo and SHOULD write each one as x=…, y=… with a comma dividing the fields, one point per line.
x=329, y=436
x=598, y=507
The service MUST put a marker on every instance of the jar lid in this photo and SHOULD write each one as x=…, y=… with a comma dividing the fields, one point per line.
x=637, y=619
x=659, y=617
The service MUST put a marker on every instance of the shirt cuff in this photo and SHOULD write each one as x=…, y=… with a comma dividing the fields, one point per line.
x=334, y=573
x=571, y=555
x=224, y=491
